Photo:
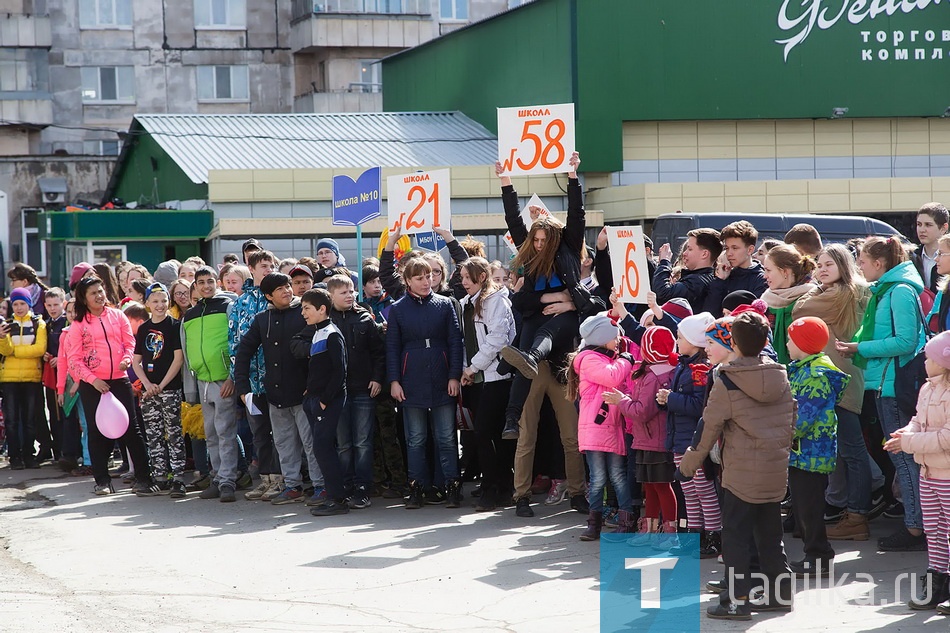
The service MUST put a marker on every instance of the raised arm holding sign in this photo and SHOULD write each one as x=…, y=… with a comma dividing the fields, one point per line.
x=536, y=139
x=420, y=201
x=628, y=259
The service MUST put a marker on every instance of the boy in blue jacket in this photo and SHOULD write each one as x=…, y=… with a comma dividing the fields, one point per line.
x=322, y=344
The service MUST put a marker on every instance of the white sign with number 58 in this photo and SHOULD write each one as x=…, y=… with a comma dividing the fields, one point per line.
x=536, y=139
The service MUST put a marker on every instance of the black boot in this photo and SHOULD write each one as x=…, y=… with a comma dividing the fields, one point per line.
x=453, y=494
x=579, y=504
x=511, y=430
x=416, y=499
x=713, y=545
x=486, y=500
x=933, y=591
x=594, y=523
x=525, y=362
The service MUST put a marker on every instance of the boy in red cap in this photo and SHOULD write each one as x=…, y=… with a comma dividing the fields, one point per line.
x=817, y=386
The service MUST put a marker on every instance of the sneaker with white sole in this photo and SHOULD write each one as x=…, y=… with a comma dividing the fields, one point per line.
x=558, y=492
x=289, y=495
x=276, y=487
x=257, y=492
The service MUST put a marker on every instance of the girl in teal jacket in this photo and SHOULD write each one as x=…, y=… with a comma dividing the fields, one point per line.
x=892, y=332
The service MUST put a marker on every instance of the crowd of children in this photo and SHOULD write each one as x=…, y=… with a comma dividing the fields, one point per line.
x=717, y=408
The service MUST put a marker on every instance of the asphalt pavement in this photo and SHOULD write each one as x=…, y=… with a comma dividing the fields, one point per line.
x=75, y=562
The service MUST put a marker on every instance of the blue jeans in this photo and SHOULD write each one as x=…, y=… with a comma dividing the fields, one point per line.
x=908, y=472
x=354, y=440
x=416, y=421
x=603, y=465
x=853, y=452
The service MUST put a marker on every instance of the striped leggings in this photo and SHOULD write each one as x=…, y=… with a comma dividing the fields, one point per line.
x=702, y=502
x=935, y=506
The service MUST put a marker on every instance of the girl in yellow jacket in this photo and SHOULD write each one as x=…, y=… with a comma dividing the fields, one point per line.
x=22, y=345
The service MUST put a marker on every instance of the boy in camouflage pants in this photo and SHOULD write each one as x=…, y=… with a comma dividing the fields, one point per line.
x=157, y=362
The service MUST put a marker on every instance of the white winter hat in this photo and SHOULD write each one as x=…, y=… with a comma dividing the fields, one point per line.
x=693, y=328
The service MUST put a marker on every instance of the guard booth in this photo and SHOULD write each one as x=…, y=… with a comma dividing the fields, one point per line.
x=147, y=237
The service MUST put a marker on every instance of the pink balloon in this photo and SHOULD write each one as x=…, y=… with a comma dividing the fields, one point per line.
x=111, y=417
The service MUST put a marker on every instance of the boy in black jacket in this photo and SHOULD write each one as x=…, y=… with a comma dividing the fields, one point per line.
x=322, y=343
x=365, y=373
x=284, y=384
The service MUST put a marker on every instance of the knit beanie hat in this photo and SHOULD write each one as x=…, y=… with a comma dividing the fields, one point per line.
x=658, y=346
x=166, y=273
x=938, y=349
x=721, y=332
x=737, y=298
x=756, y=306
x=810, y=334
x=21, y=294
x=330, y=243
x=79, y=270
x=693, y=328
x=598, y=330
x=677, y=308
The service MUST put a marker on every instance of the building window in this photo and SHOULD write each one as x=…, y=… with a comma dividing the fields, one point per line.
x=24, y=70
x=105, y=14
x=222, y=83
x=454, y=9
x=108, y=83
x=220, y=14
x=369, y=79
x=101, y=148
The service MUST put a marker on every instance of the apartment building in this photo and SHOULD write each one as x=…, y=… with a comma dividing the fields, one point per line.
x=337, y=44
x=73, y=73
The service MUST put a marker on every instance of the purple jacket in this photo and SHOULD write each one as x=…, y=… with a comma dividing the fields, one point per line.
x=598, y=373
x=645, y=421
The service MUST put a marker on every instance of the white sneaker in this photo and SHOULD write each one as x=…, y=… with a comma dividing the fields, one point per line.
x=276, y=487
x=256, y=493
x=558, y=492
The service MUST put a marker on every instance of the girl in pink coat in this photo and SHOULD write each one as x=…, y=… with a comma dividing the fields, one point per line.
x=646, y=422
x=927, y=438
x=598, y=367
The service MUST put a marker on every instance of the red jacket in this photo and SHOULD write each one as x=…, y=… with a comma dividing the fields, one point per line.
x=96, y=346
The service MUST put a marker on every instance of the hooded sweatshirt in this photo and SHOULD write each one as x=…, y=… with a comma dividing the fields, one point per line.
x=898, y=330
x=752, y=407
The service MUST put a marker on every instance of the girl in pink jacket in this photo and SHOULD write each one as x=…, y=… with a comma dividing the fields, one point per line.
x=927, y=437
x=98, y=351
x=646, y=422
x=597, y=368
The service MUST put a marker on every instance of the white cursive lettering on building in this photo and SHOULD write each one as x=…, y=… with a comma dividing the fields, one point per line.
x=801, y=17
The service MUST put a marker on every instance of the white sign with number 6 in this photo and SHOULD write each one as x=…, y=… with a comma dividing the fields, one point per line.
x=420, y=201
x=535, y=201
x=628, y=258
x=536, y=139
